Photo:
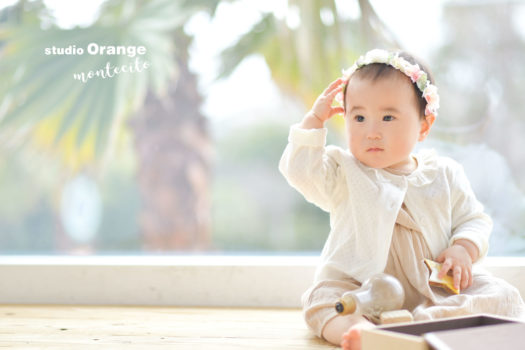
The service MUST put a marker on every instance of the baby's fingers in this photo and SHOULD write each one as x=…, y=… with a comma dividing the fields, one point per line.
x=466, y=278
x=333, y=85
x=447, y=265
x=331, y=95
x=337, y=110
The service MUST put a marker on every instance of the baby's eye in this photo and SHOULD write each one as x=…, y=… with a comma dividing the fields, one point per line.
x=388, y=118
x=359, y=118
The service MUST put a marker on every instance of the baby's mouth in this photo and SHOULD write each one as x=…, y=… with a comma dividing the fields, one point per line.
x=374, y=149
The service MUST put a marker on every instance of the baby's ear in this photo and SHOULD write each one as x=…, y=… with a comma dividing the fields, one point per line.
x=426, y=124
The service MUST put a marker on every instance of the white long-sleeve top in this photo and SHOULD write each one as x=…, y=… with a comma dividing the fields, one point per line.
x=363, y=203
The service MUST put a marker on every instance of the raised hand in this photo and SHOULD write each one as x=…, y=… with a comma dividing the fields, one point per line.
x=322, y=110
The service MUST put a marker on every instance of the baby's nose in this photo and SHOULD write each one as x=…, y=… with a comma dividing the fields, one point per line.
x=374, y=134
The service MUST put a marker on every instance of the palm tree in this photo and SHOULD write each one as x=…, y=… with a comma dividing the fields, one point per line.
x=173, y=147
x=80, y=123
x=304, y=58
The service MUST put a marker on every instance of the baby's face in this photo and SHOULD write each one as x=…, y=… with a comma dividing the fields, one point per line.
x=383, y=122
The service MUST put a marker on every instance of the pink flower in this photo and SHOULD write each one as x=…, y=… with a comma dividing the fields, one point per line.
x=414, y=72
x=430, y=94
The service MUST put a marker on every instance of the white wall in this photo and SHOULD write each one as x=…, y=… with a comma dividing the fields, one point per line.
x=180, y=281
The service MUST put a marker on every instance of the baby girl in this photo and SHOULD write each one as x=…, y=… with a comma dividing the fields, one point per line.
x=389, y=208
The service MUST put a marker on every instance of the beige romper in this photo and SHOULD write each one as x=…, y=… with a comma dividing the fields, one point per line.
x=408, y=249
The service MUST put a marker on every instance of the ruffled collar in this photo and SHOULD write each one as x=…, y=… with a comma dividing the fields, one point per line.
x=424, y=174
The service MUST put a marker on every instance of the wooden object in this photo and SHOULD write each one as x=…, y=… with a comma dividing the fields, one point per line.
x=102, y=327
x=395, y=316
x=447, y=282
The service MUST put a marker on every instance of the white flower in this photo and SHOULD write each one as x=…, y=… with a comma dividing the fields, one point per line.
x=377, y=56
x=397, y=62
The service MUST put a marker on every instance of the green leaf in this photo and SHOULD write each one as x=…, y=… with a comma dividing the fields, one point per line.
x=250, y=43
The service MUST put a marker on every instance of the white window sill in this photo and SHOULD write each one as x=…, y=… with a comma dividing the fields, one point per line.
x=231, y=281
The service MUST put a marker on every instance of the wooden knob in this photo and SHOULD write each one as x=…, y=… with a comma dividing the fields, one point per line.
x=346, y=305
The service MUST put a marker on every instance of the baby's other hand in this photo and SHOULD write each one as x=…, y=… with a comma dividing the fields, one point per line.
x=457, y=260
x=322, y=108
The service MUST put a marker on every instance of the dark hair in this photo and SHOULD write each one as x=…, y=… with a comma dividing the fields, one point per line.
x=376, y=71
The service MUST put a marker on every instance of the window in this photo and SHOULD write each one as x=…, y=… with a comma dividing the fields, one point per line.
x=118, y=140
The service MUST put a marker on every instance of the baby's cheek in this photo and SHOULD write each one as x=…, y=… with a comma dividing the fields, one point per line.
x=403, y=149
x=409, y=142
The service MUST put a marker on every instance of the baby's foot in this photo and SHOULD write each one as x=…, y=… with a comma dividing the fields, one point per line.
x=352, y=338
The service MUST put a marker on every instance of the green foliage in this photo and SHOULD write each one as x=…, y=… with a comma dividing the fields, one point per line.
x=119, y=229
x=80, y=120
x=304, y=59
x=254, y=209
x=250, y=43
x=311, y=225
x=26, y=216
x=262, y=142
x=237, y=220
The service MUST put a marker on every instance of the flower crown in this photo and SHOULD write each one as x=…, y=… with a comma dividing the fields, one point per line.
x=416, y=74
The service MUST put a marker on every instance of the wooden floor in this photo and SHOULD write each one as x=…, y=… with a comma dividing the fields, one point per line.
x=94, y=327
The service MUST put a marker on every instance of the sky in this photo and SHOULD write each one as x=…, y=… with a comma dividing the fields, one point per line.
x=69, y=13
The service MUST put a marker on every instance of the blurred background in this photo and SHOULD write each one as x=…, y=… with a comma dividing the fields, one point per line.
x=181, y=158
